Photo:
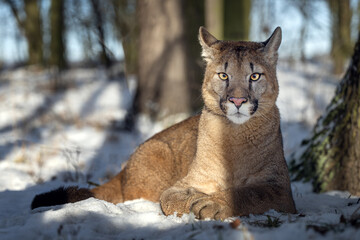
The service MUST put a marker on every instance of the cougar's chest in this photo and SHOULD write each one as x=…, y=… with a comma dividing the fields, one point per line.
x=248, y=160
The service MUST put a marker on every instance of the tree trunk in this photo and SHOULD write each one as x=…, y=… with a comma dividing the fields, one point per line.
x=237, y=20
x=57, y=28
x=331, y=159
x=341, y=33
x=33, y=31
x=162, y=84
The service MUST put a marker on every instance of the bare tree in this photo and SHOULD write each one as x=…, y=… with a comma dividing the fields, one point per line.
x=57, y=29
x=126, y=28
x=99, y=21
x=30, y=24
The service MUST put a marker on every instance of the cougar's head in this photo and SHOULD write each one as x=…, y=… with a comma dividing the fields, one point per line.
x=240, y=79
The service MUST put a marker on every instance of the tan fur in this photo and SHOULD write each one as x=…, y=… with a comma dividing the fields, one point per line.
x=227, y=161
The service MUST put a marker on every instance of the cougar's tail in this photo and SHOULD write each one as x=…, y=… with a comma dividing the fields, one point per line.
x=110, y=191
x=61, y=195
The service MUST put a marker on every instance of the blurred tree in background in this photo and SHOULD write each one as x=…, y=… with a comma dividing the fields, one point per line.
x=162, y=70
x=159, y=38
x=228, y=19
x=57, y=25
x=307, y=10
x=126, y=29
x=195, y=17
x=100, y=32
x=214, y=17
x=29, y=22
x=237, y=22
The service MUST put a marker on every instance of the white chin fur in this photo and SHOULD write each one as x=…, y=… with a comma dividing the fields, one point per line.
x=238, y=116
x=238, y=119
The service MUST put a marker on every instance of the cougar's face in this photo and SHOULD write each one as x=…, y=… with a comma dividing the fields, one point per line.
x=240, y=79
x=238, y=86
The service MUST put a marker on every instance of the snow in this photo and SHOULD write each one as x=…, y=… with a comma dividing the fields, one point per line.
x=49, y=140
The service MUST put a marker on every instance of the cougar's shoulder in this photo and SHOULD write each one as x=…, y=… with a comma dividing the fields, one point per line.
x=180, y=130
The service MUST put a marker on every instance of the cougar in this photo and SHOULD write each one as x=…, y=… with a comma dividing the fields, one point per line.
x=227, y=161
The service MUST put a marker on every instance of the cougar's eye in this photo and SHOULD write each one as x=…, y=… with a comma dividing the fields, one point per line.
x=223, y=76
x=255, y=76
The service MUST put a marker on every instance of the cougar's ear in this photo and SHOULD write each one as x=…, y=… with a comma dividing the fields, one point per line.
x=207, y=42
x=272, y=45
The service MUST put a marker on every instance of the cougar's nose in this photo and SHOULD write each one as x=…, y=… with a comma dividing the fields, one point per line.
x=237, y=101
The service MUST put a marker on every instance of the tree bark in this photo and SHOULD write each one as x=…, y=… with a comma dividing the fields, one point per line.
x=162, y=84
x=331, y=159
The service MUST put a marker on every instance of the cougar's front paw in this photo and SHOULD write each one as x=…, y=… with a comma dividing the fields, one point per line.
x=179, y=200
x=208, y=208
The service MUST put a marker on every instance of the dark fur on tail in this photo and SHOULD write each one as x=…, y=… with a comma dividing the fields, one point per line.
x=61, y=195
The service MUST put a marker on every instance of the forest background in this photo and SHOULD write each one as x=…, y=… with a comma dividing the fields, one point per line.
x=62, y=34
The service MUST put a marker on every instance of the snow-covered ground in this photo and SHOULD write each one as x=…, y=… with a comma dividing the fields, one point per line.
x=49, y=140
